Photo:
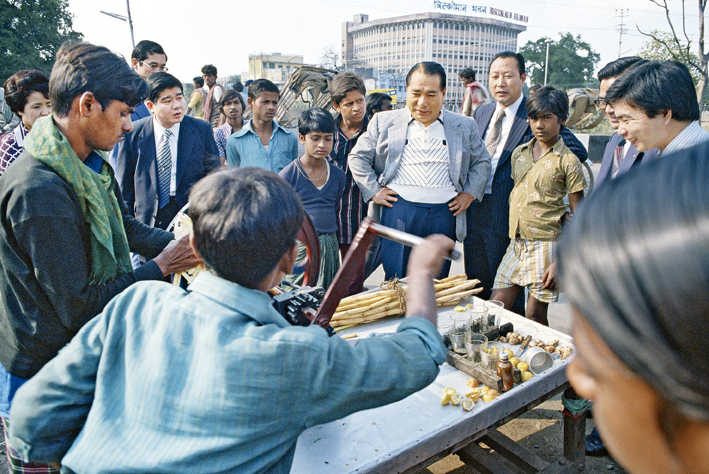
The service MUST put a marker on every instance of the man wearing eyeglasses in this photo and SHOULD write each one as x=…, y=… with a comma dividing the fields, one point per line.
x=147, y=57
x=620, y=155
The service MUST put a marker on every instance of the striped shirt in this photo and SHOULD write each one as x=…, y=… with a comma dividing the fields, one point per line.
x=11, y=146
x=693, y=134
x=352, y=207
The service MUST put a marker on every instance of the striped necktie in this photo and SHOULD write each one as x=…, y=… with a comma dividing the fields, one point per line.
x=493, y=138
x=164, y=170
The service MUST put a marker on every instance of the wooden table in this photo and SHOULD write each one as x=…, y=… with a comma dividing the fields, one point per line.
x=417, y=431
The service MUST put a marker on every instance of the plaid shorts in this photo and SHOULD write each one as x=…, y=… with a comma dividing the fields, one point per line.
x=524, y=264
x=15, y=464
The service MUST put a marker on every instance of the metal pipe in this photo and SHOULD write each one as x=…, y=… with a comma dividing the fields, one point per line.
x=405, y=238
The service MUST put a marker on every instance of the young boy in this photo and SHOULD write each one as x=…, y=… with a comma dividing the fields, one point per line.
x=319, y=185
x=544, y=171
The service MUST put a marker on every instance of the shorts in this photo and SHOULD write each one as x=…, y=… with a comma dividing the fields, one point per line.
x=524, y=264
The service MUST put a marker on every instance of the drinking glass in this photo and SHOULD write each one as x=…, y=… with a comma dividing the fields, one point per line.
x=461, y=323
x=478, y=318
x=475, y=345
x=494, y=311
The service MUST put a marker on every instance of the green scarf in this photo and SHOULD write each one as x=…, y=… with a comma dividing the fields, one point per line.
x=110, y=255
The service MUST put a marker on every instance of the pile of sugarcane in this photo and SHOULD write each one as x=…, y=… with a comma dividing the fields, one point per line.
x=390, y=300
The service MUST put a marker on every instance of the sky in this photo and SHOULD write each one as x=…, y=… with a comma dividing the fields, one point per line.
x=224, y=33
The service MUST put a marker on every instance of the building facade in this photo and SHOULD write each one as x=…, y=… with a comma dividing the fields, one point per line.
x=275, y=67
x=456, y=41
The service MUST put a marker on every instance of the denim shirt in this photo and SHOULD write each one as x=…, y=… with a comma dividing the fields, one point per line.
x=206, y=380
x=244, y=148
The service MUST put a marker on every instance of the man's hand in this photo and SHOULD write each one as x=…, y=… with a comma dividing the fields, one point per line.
x=460, y=203
x=385, y=197
x=425, y=263
x=549, y=277
x=177, y=256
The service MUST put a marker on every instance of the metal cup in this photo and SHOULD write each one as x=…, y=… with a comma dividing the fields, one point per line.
x=538, y=360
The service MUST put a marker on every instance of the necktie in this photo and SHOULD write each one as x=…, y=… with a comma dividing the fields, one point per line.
x=164, y=170
x=493, y=138
x=619, y=155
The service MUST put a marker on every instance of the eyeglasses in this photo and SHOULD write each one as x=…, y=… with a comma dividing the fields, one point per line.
x=600, y=102
x=154, y=67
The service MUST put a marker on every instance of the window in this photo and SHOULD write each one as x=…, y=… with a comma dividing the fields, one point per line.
x=271, y=65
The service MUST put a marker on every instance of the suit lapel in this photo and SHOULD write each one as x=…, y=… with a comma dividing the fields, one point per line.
x=397, y=134
x=519, y=127
x=148, y=155
x=484, y=116
x=455, y=144
x=185, y=144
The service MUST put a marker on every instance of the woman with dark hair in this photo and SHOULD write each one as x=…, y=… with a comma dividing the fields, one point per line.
x=27, y=94
x=232, y=108
x=634, y=263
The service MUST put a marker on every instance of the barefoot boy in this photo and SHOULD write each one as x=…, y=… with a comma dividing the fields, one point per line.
x=319, y=185
x=544, y=171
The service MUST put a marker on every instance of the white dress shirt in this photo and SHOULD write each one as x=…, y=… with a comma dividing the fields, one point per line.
x=159, y=138
x=507, y=122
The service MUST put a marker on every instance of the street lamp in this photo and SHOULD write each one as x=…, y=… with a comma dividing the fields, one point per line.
x=124, y=18
x=546, y=62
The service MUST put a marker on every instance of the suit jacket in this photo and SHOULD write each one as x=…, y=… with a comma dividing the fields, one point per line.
x=136, y=164
x=632, y=157
x=502, y=182
x=141, y=111
x=377, y=154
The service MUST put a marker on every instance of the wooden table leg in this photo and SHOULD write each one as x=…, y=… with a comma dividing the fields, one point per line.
x=575, y=434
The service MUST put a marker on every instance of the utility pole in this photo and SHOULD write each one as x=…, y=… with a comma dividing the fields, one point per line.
x=621, y=28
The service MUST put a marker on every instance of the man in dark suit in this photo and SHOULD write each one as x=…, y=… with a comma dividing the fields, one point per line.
x=503, y=125
x=147, y=58
x=165, y=154
x=620, y=155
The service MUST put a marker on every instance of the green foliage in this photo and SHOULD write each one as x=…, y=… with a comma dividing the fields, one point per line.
x=31, y=32
x=567, y=69
x=662, y=47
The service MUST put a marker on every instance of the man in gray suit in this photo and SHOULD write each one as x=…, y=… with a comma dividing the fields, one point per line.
x=423, y=165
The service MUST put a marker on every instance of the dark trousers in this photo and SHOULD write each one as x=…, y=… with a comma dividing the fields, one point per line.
x=418, y=219
x=484, y=249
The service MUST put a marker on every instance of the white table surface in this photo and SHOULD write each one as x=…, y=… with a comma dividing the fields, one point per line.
x=403, y=434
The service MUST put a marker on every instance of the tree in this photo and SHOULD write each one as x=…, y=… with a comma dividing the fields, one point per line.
x=31, y=32
x=330, y=59
x=664, y=49
x=571, y=61
x=680, y=49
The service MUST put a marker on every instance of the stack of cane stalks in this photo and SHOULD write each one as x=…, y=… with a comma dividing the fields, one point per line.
x=391, y=300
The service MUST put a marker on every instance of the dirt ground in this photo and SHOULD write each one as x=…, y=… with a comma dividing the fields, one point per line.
x=541, y=432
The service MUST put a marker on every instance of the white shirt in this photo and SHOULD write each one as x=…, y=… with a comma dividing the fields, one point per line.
x=507, y=122
x=159, y=138
x=425, y=150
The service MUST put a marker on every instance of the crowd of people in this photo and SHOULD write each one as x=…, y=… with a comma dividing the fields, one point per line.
x=104, y=366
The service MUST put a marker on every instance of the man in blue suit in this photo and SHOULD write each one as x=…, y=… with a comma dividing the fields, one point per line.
x=147, y=57
x=165, y=154
x=620, y=155
x=503, y=125
x=423, y=165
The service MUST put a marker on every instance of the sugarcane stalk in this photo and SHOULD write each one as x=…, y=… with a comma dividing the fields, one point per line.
x=468, y=284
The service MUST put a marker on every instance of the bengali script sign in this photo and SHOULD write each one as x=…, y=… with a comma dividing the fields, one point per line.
x=459, y=7
x=452, y=6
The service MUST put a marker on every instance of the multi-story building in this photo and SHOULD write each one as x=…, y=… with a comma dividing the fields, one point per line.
x=456, y=41
x=275, y=67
